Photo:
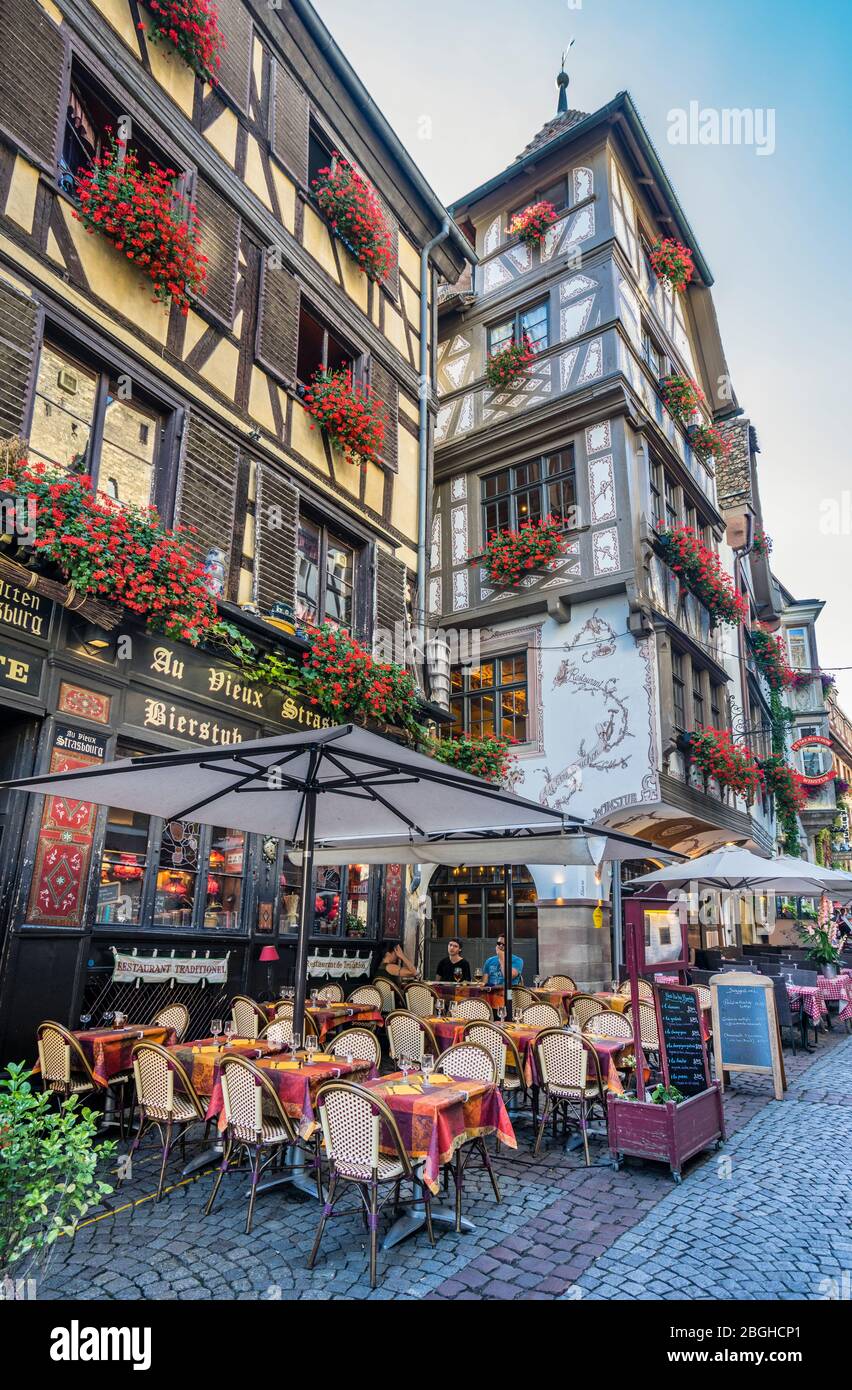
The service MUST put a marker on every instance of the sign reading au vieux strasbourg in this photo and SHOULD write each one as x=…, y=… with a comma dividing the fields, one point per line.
x=26, y=614
x=184, y=671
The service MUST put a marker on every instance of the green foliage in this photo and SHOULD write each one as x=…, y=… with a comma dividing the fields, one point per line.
x=661, y=1094
x=49, y=1167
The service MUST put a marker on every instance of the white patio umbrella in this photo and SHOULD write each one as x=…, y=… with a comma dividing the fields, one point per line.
x=576, y=843
x=335, y=785
x=733, y=868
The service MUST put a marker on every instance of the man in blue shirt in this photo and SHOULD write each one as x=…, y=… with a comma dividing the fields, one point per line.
x=495, y=965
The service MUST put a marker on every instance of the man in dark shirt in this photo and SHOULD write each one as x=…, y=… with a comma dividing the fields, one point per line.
x=453, y=961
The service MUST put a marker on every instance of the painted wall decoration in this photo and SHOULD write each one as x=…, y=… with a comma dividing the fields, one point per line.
x=63, y=854
x=85, y=704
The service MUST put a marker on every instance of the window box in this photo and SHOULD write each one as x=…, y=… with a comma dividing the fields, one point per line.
x=509, y=364
x=672, y=262
x=191, y=27
x=681, y=395
x=349, y=414
x=700, y=571
x=707, y=443
x=511, y=556
x=733, y=765
x=533, y=222
x=353, y=211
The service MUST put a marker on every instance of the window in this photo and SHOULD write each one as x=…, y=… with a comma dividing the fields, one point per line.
x=319, y=349
x=678, y=692
x=491, y=699
x=653, y=355
x=798, y=647
x=469, y=902
x=530, y=491
x=533, y=322
x=123, y=864
x=225, y=875
x=656, y=477
x=555, y=193
x=672, y=511
x=717, y=705
x=82, y=423
x=177, y=874
x=698, y=714
x=90, y=117
x=344, y=903
x=320, y=153
x=812, y=759
x=325, y=584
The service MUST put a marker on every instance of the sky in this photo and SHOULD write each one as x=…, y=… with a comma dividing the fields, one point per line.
x=466, y=84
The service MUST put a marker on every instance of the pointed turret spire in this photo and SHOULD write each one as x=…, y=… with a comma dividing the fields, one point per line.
x=562, y=81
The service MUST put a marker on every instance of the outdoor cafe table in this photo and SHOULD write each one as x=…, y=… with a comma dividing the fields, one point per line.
x=557, y=998
x=617, y=1002
x=296, y=1084
x=330, y=1016
x=811, y=999
x=465, y=989
x=109, y=1051
x=840, y=989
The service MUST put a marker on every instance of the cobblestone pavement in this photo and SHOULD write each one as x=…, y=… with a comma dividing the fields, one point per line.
x=744, y=1224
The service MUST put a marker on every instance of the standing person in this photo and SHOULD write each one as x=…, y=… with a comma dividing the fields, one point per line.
x=495, y=966
x=453, y=961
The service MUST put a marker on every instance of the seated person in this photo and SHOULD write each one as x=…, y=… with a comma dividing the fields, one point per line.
x=495, y=965
x=395, y=966
x=453, y=961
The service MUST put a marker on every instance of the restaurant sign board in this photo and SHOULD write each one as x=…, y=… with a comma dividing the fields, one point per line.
x=745, y=1027
x=683, y=1052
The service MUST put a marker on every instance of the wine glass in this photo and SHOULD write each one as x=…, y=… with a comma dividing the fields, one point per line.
x=229, y=1029
x=457, y=974
x=296, y=1043
x=501, y=1013
x=405, y=1065
x=427, y=1066
x=439, y=1008
x=85, y=1020
x=536, y=981
x=314, y=998
x=283, y=992
x=215, y=1029
x=613, y=984
x=108, y=1017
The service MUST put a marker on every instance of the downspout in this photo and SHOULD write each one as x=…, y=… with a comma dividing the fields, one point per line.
x=423, y=430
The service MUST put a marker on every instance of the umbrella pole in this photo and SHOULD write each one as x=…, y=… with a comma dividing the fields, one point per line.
x=510, y=940
x=305, y=911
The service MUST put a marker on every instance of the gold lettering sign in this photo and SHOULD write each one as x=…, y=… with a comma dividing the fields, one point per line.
x=21, y=609
x=160, y=715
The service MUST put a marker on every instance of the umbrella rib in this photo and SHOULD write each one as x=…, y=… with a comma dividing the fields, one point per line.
x=240, y=785
x=373, y=795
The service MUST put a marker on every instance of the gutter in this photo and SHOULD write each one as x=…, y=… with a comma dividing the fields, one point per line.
x=423, y=421
x=323, y=40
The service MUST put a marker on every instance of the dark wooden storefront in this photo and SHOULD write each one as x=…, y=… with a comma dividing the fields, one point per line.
x=77, y=881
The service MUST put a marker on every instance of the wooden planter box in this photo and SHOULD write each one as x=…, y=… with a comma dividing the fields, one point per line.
x=668, y=1133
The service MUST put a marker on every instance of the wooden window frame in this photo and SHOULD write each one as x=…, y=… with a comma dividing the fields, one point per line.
x=359, y=360
x=517, y=330
x=467, y=694
x=331, y=532
x=516, y=488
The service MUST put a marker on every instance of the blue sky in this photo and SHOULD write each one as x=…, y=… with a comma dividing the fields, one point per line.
x=773, y=228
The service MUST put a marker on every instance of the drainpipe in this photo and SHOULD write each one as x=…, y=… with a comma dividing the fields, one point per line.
x=423, y=432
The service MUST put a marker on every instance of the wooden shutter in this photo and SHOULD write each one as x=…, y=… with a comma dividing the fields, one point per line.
x=278, y=323
x=18, y=324
x=207, y=488
x=219, y=224
x=31, y=78
x=290, y=123
x=235, y=72
x=390, y=591
x=276, y=528
x=386, y=391
x=391, y=284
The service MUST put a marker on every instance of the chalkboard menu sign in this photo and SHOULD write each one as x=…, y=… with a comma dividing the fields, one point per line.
x=683, y=1053
x=745, y=1027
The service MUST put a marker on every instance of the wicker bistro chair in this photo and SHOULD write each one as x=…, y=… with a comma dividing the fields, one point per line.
x=409, y=1036
x=248, y=1017
x=330, y=994
x=503, y=1049
x=280, y=1031
x=359, y=1044
x=392, y=998
x=649, y=1035
x=522, y=998
x=174, y=1016
x=353, y=1121
x=469, y=1061
x=421, y=999
x=643, y=988
x=285, y=1009
x=366, y=994
x=65, y=1069
x=563, y=1065
x=541, y=1016
x=258, y=1124
x=609, y=1023
x=563, y=982
x=161, y=1104
x=476, y=1009
x=582, y=1007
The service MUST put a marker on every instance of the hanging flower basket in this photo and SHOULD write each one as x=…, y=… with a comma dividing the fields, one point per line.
x=192, y=27
x=349, y=414
x=761, y=543
x=507, y=366
x=488, y=758
x=681, y=395
x=700, y=571
x=782, y=783
x=708, y=443
x=733, y=765
x=531, y=224
x=354, y=213
x=342, y=679
x=828, y=682
x=770, y=659
x=136, y=212
x=672, y=262
x=512, y=555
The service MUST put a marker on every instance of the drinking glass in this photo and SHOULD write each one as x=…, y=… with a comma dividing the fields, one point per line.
x=215, y=1029
x=107, y=1018
x=501, y=1013
x=536, y=981
x=310, y=1048
x=457, y=974
x=296, y=1043
x=229, y=1029
x=427, y=1066
x=120, y=1019
x=405, y=1067
x=283, y=992
x=439, y=1008
x=613, y=984
x=314, y=998
x=85, y=1020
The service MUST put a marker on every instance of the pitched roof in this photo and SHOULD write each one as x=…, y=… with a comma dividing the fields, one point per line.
x=557, y=126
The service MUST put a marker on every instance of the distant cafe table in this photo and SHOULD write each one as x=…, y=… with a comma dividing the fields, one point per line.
x=809, y=999
x=109, y=1051
x=839, y=990
x=327, y=1017
x=434, y=1121
x=465, y=989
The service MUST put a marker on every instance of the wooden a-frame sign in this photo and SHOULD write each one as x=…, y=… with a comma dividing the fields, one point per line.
x=746, y=1036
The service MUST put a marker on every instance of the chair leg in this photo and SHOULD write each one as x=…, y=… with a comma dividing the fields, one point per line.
x=255, y=1169
x=584, y=1130
x=542, y=1126
x=167, y=1144
x=457, y=1175
x=374, y=1231
x=223, y=1168
x=427, y=1207
x=326, y=1213
x=491, y=1174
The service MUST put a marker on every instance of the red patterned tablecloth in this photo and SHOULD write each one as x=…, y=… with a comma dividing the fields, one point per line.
x=109, y=1051
x=330, y=1016
x=558, y=998
x=297, y=1085
x=200, y=1058
x=464, y=990
x=435, y=1122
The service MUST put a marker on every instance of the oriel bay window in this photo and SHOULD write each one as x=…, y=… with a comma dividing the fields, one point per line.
x=89, y=420
x=491, y=700
x=530, y=491
x=531, y=323
x=326, y=577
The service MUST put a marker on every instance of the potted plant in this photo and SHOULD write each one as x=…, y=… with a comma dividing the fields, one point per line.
x=672, y=262
x=732, y=764
x=354, y=213
x=665, y=1126
x=511, y=555
x=681, y=395
x=708, y=443
x=532, y=223
x=349, y=414
x=819, y=940
x=49, y=1170
x=770, y=659
x=486, y=757
x=507, y=366
x=192, y=27
x=761, y=543
x=700, y=571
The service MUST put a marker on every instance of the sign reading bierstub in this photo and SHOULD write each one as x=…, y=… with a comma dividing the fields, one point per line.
x=745, y=1027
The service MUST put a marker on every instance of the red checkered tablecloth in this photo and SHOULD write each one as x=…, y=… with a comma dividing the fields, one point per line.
x=809, y=998
x=840, y=988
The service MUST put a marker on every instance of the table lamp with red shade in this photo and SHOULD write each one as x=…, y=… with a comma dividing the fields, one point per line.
x=268, y=954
